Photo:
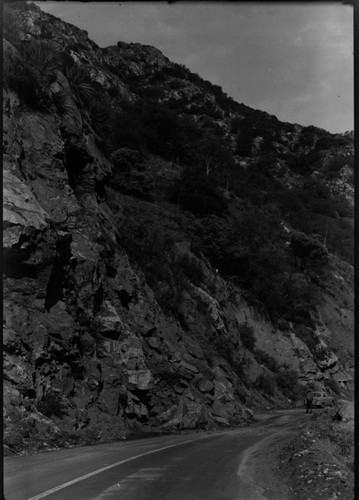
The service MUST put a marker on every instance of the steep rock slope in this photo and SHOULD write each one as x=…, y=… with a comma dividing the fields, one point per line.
x=141, y=287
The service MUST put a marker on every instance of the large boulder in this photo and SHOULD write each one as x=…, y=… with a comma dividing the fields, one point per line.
x=186, y=415
x=345, y=410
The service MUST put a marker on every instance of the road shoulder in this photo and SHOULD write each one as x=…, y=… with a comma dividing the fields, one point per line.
x=262, y=465
x=314, y=462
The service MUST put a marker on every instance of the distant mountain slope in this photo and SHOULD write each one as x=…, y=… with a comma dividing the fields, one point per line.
x=172, y=259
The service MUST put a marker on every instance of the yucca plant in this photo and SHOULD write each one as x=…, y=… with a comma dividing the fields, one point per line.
x=101, y=116
x=41, y=56
x=83, y=88
x=65, y=105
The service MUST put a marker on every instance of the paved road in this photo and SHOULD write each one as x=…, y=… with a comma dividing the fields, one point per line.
x=197, y=466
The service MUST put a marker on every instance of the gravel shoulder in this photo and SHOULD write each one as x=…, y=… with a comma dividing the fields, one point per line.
x=313, y=462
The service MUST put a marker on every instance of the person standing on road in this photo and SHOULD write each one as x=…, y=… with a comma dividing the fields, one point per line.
x=309, y=401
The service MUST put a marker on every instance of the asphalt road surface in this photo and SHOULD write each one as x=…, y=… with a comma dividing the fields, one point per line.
x=196, y=466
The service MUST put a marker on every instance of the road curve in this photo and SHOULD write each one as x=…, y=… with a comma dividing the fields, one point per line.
x=197, y=466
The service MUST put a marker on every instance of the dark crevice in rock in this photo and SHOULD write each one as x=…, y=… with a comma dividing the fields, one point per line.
x=124, y=297
x=29, y=393
x=182, y=320
x=100, y=186
x=143, y=395
x=77, y=370
x=20, y=163
x=76, y=161
x=110, y=271
x=329, y=366
x=54, y=290
x=98, y=299
x=110, y=334
x=82, y=318
x=58, y=155
x=15, y=267
x=41, y=361
x=150, y=332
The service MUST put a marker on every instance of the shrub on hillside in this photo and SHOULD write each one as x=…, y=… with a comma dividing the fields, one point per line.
x=264, y=358
x=100, y=111
x=154, y=127
x=149, y=244
x=308, y=336
x=336, y=163
x=286, y=296
x=266, y=383
x=308, y=253
x=51, y=405
x=236, y=124
x=292, y=207
x=213, y=154
x=307, y=136
x=192, y=269
x=224, y=347
x=196, y=192
x=128, y=130
x=244, y=142
x=343, y=437
x=251, y=252
x=126, y=159
x=25, y=81
x=175, y=71
x=134, y=183
x=130, y=176
x=84, y=89
x=323, y=143
x=66, y=106
x=40, y=55
x=287, y=382
x=247, y=336
x=340, y=238
x=307, y=213
x=151, y=92
x=303, y=164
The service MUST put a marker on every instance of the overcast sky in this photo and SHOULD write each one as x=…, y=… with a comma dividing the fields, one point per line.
x=293, y=60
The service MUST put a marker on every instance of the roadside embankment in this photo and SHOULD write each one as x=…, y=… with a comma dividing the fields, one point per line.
x=313, y=461
x=318, y=462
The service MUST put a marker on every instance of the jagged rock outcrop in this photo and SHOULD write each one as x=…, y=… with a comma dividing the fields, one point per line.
x=95, y=347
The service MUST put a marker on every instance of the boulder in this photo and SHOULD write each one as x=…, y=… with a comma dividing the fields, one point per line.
x=185, y=415
x=187, y=369
x=108, y=319
x=345, y=409
x=206, y=386
x=195, y=351
x=87, y=342
x=154, y=343
x=20, y=208
x=135, y=408
x=212, y=307
x=140, y=379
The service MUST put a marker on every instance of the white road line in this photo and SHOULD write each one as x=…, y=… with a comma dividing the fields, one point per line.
x=103, y=469
x=129, y=481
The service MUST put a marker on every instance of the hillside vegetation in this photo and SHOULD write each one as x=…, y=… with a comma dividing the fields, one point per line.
x=173, y=259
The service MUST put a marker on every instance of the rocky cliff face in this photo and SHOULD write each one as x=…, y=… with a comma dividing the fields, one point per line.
x=115, y=321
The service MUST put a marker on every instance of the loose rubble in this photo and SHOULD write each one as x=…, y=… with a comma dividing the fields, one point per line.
x=318, y=463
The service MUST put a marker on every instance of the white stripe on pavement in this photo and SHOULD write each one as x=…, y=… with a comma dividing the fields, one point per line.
x=103, y=469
